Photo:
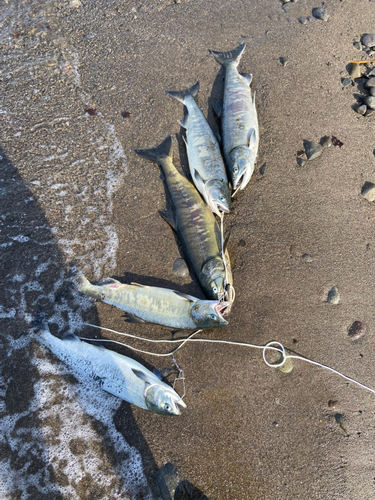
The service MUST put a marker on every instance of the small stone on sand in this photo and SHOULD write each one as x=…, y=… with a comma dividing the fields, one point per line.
x=370, y=101
x=262, y=169
x=346, y=82
x=333, y=296
x=284, y=60
x=362, y=109
x=312, y=150
x=326, y=141
x=355, y=70
x=320, y=13
x=368, y=40
x=287, y=367
x=301, y=162
x=332, y=404
x=306, y=257
x=180, y=268
x=368, y=191
x=372, y=72
x=303, y=20
x=372, y=91
x=357, y=330
x=358, y=45
x=370, y=82
x=370, y=112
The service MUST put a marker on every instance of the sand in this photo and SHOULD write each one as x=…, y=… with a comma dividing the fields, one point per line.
x=73, y=189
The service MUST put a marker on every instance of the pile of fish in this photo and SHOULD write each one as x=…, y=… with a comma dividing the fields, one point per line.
x=201, y=238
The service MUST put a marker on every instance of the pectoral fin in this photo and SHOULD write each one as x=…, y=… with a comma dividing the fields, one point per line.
x=218, y=107
x=251, y=139
x=185, y=121
x=168, y=217
x=131, y=318
x=142, y=375
x=248, y=78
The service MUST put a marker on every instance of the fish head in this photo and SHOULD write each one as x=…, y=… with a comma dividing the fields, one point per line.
x=162, y=399
x=214, y=276
x=217, y=195
x=242, y=161
x=209, y=313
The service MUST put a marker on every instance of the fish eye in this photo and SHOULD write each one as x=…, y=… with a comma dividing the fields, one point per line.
x=167, y=407
x=213, y=316
x=235, y=169
x=214, y=289
x=221, y=197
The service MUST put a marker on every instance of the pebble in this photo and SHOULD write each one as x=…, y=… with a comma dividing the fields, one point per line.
x=368, y=191
x=326, y=141
x=372, y=72
x=372, y=91
x=306, y=257
x=166, y=480
x=362, y=109
x=287, y=367
x=332, y=404
x=357, y=330
x=286, y=7
x=333, y=296
x=180, y=268
x=312, y=150
x=370, y=112
x=320, y=13
x=358, y=45
x=368, y=40
x=370, y=82
x=242, y=243
x=355, y=71
x=284, y=60
x=301, y=162
x=303, y=20
x=346, y=82
x=370, y=101
x=262, y=169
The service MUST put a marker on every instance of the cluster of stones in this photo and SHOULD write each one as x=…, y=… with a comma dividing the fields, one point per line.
x=313, y=150
x=367, y=105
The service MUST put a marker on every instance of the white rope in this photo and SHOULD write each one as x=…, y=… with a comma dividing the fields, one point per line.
x=270, y=346
x=231, y=287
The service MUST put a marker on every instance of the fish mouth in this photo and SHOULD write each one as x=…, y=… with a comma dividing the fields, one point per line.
x=176, y=409
x=218, y=207
x=222, y=309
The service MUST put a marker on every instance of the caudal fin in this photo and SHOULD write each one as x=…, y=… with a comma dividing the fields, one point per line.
x=80, y=282
x=165, y=150
x=225, y=58
x=183, y=94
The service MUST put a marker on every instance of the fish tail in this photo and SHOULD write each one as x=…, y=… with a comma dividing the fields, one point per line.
x=183, y=94
x=224, y=58
x=80, y=281
x=164, y=150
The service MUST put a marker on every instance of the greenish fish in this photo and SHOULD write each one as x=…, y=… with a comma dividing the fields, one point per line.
x=117, y=374
x=205, y=161
x=239, y=123
x=152, y=304
x=195, y=225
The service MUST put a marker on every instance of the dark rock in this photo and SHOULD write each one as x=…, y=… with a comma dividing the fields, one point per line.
x=301, y=162
x=368, y=191
x=262, y=169
x=362, y=109
x=370, y=112
x=320, y=13
x=372, y=91
x=371, y=73
x=368, y=40
x=180, y=268
x=326, y=141
x=346, y=82
x=333, y=296
x=306, y=257
x=312, y=150
x=356, y=330
x=370, y=82
x=370, y=101
x=355, y=71
x=332, y=404
x=303, y=20
x=284, y=60
x=358, y=45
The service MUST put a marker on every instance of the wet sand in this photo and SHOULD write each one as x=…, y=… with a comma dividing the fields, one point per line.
x=249, y=431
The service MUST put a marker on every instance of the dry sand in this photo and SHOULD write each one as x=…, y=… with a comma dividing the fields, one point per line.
x=249, y=431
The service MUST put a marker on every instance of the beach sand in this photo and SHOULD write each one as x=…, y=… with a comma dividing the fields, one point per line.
x=80, y=93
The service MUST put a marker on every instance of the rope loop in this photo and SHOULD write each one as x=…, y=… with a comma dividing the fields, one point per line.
x=271, y=345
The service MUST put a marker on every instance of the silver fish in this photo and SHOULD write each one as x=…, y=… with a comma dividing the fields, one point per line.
x=155, y=305
x=117, y=374
x=239, y=124
x=205, y=161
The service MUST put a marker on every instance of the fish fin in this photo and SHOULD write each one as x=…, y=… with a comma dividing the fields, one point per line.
x=218, y=137
x=248, y=78
x=181, y=95
x=197, y=178
x=142, y=375
x=225, y=58
x=168, y=217
x=185, y=296
x=218, y=107
x=111, y=283
x=137, y=284
x=185, y=121
x=164, y=150
x=131, y=318
x=185, y=140
x=251, y=139
x=70, y=336
x=157, y=373
x=226, y=240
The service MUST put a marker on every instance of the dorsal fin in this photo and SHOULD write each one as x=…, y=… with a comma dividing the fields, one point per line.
x=185, y=296
x=142, y=375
